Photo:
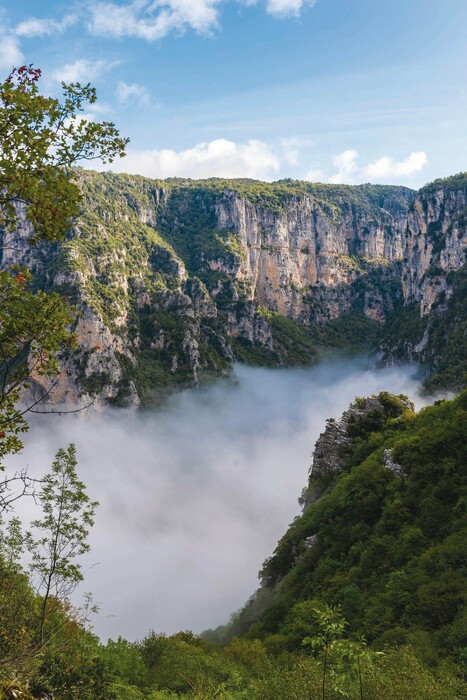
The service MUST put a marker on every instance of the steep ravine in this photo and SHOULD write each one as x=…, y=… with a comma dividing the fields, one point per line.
x=175, y=279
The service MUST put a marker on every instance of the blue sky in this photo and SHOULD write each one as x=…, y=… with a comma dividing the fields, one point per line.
x=328, y=90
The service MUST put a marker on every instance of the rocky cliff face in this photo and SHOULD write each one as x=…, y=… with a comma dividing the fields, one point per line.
x=435, y=243
x=308, y=245
x=174, y=280
x=431, y=326
x=335, y=445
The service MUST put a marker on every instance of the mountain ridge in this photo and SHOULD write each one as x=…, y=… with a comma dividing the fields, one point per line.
x=176, y=279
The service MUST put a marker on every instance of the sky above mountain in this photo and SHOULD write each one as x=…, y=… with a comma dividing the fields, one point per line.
x=327, y=90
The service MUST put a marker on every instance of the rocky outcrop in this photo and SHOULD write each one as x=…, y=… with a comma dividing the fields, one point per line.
x=435, y=244
x=335, y=445
x=431, y=327
x=389, y=463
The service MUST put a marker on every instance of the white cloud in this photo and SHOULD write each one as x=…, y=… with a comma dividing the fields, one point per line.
x=287, y=8
x=315, y=175
x=10, y=53
x=99, y=108
x=44, y=27
x=152, y=20
x=384, y=168
x=218, y=158
x=81, y=71
x=292, y=148
x=346, y=163
x=389, y=167
x=132, y=92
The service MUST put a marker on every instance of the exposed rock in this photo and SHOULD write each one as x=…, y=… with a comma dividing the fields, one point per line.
x=390, y=464
x=335, y=444
x=248, y=325
x=435, y=243
x=305, y=250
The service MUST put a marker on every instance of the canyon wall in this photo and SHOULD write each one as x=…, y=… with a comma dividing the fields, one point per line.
x=174, y=280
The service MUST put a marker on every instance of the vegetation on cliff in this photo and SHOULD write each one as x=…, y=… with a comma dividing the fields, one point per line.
x=174, y=290
x=150, y=260
x=454, y=182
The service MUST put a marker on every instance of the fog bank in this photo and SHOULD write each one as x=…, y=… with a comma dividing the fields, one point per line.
x=195, y=496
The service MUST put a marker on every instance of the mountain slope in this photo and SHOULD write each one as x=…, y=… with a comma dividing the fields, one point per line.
x=383, y=533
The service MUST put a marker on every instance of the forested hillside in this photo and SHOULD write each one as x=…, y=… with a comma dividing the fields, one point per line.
x=383, y=533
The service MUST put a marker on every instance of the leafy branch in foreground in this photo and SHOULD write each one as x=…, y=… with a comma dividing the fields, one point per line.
x=40, y=137
x=33, y=329
x=342, y=660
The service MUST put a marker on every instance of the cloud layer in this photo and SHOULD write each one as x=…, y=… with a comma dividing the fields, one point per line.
x=10, y=52
x=256, y=159
x=195, y=496
x=287, y=8
x=218, y=158
x=133, y=92
x=44, y=27
x=153, y=20
x=349, y=171
x=82, y=71
x=387, y=167
x=149, y=20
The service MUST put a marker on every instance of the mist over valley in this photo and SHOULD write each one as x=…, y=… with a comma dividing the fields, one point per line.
x=194, y=496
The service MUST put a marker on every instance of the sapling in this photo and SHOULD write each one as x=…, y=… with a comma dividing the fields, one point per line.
x=68, y=513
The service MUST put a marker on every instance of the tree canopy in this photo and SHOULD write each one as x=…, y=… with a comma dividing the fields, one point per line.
x=40, y=138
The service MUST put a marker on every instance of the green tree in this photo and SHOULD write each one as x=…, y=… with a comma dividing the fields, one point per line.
x=331, y=627
x=40, y=139
x=343, y=661
x=33, y=329
x=68, y=515
x=18, y=652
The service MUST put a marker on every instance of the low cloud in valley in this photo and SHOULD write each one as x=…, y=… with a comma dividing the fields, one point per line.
x=193, y=497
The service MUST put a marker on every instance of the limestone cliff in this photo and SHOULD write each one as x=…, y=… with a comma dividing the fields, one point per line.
x=431, y=326
x=309, y=250
x=175, y=279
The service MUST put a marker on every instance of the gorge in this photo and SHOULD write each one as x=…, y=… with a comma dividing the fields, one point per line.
x=175, y=284
x=175, y=280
